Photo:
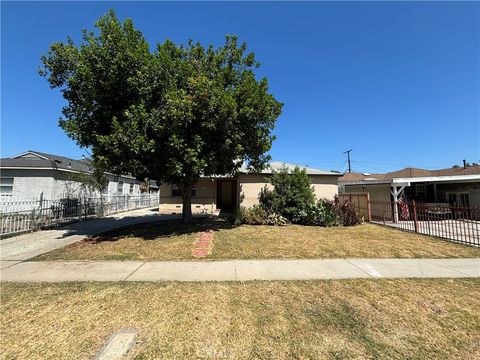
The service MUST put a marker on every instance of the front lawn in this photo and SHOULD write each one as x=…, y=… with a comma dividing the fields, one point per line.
x=394, y=319
x=175, y=241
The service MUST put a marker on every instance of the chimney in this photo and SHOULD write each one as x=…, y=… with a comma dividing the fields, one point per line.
x=464, y=163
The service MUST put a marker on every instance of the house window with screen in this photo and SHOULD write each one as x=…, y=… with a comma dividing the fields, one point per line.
x=177, y=193
x=6, y=185
x=120, y=187
x=131, y=188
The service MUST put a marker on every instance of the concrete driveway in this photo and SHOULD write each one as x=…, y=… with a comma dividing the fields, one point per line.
x=23, y=247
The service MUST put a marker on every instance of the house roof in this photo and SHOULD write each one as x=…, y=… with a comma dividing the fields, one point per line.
x=469, y=170
x=41, y=160
x=277, y=165
x=411, y=173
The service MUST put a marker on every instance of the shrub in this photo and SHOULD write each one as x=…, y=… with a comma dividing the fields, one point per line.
x=268, y=199
x=320, y=214
x=276, y=219
x=347, y=214
x=329, y=215
x=292, y=200
x=237, y=216
x=292, y=193
x=258, y=215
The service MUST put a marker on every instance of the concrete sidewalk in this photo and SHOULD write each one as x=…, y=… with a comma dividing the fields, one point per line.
x=27, y=246
x=240, y=270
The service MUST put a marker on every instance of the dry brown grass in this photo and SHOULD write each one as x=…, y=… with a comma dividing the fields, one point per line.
x=363, y=241
x=175, y=241
x=436, y=319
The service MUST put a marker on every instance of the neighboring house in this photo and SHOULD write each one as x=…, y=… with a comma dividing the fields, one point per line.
x=27, y=175
x=227, y=192
x=456, y=185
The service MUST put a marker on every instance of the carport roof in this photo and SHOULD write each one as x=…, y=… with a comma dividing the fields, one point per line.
x=409, y=175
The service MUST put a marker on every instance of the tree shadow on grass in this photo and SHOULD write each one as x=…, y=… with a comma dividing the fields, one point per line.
x=161, y=229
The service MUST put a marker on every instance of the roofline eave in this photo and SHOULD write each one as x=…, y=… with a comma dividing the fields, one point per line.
x=403, y=181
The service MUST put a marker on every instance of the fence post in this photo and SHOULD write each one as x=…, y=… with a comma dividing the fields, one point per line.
x=40, y=200
x=369, y=208
x=415, y=222
x=40, y=209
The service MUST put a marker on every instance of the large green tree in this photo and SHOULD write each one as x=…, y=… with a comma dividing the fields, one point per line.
x=171, y=114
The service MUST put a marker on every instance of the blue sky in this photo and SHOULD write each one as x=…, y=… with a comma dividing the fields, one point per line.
x=398, y=82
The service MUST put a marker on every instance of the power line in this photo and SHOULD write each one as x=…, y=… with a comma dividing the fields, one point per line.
x=374, y=168
x=387, y=164
x=327, y=162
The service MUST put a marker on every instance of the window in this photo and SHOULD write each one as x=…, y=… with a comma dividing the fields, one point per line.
x=420, y=192
x=464, y=199
x=452, y=198
x=177, y=193
x=459, y=198
x=130, y=190
x=6, y=185
x=120, y=187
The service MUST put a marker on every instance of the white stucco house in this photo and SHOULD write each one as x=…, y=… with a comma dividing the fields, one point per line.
x=27, y=175
x=226, y=192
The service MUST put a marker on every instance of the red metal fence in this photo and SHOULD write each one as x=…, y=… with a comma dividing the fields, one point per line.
x=457, y=223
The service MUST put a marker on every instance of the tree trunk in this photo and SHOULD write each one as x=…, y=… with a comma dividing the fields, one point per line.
x=187, y=204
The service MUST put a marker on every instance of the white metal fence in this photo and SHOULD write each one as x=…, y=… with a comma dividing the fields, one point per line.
x=22, y=216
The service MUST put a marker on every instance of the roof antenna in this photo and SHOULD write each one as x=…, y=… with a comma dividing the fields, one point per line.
x=348, y=156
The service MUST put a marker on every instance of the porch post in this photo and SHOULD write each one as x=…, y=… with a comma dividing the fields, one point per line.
x=395, y=192
x=395, y=206
x=369, y=209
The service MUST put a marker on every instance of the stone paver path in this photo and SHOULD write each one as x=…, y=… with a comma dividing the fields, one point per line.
x=240, y=270
x=203, y=246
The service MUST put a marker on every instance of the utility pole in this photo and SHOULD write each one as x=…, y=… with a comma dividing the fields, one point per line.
x=348, y=156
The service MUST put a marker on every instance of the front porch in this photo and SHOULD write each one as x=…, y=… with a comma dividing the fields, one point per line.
x=209, y=196
x=458, y=194
x=445, y=192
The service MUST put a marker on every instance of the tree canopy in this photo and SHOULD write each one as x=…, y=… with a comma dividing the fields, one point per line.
x=171, y=114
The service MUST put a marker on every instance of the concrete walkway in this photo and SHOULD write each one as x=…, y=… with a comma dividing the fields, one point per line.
x=240, y=270
x=26, y=246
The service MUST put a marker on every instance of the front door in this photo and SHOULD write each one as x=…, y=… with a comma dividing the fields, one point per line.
x=226, y=194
